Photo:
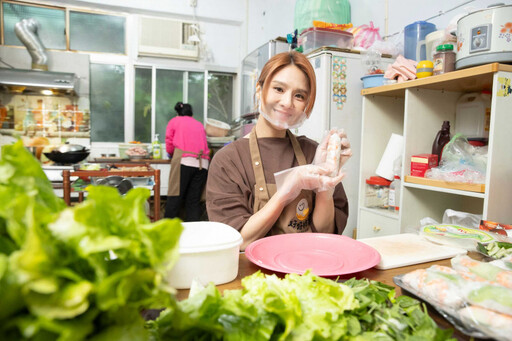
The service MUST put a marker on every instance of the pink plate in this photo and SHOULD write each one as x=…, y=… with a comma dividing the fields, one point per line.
x=325, y=254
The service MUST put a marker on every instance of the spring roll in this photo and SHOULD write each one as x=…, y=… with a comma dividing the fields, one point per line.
x=334, y=153
x=487, y=271
x=494, y=324
x=439, y=285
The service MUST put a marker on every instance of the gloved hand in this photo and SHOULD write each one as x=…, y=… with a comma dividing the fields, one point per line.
x=326, y=157
x=321, y=154
x=290, y=182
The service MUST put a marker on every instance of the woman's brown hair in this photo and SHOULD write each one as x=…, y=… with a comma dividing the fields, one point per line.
x=280, y=61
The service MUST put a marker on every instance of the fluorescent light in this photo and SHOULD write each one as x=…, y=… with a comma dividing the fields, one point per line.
x=47, y=92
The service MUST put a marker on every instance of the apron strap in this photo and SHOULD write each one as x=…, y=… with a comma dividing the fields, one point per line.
x=198, y=157
x=301, y=159
x=257, y=166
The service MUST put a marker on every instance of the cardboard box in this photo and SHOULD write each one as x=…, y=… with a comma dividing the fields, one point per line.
x=421, y=162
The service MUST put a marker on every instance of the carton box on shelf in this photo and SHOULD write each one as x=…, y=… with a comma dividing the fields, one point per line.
x=420, y=163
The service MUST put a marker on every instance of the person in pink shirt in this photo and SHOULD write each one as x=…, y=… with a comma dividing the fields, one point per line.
x=185, y=142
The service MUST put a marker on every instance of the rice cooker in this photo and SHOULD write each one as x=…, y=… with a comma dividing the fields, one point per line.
x=485, y=36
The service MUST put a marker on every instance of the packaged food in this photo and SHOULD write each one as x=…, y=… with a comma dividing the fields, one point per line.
x=420, y=163
x=444, y=59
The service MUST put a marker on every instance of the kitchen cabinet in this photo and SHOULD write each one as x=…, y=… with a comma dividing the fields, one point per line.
x=416, y=109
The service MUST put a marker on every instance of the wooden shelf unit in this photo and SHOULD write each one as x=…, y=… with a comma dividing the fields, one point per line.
x=416, y=110
x=155, y=173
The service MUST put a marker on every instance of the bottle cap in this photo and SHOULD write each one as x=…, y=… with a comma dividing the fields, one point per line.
x=444, y=47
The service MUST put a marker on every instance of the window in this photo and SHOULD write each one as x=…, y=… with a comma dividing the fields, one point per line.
x=142, y=118
x=169, y=91
x=107, y=103
x=51, y=29
x=96, y=32
x=91, y=32
x=220, y=97
x=174, y=86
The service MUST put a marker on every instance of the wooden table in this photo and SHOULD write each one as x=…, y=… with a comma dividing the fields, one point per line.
x=247, y=268
x=155, y=173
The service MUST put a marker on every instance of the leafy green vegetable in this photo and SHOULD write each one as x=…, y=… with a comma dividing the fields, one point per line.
x=80, y=272
x=496, y=250
x=297, y=307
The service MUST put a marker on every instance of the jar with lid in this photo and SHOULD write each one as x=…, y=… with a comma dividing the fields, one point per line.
x=377, y=189
x=444, y=59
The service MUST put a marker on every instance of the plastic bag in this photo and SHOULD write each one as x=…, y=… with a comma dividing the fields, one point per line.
x=365, y=35
x=461, y=162
x=329, y=11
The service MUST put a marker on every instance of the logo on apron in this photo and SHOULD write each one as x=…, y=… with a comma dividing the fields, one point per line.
x=302, y=210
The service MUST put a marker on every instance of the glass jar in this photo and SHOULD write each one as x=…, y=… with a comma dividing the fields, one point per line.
x=444, y=59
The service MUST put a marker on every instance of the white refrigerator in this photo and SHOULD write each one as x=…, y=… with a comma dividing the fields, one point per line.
x=338, y=104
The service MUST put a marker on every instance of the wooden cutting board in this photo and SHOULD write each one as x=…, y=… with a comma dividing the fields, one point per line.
x=408, y=249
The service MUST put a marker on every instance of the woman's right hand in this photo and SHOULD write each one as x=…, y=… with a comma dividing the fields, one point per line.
x=307, y=177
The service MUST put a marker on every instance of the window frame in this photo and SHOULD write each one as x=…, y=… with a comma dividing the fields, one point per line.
x=130, y=60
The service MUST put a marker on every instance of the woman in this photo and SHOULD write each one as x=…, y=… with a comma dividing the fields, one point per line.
x=241, y=189
x=185, y=142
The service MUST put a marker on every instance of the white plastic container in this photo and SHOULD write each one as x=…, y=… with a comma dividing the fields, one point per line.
x=472, y=115
x=209, y=252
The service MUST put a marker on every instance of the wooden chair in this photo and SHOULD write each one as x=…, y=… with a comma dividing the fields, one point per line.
x=155, y=173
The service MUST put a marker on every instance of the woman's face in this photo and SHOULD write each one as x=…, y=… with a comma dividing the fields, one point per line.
x=286, y=97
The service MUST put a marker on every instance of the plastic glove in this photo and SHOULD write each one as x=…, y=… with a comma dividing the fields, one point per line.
x=322, y=152
x=290, y=182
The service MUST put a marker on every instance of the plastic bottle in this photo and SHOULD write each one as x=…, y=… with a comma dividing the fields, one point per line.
x=442, y=138
x=157, y=149
x=394, y=187
x=394, y=194
x=444, y=59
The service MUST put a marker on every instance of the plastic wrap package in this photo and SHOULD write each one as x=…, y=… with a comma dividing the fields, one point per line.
x=392, y=45
x=462, y=294
x=365, y=35
x=456, y=236
x=461, y=162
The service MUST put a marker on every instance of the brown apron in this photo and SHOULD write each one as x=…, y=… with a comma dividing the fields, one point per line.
x=174, y=175
x=296, y=216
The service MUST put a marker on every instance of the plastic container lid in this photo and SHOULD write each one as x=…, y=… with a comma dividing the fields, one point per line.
x=444, y=47
x=205, y=236
x=330, y=30
x=377, y=180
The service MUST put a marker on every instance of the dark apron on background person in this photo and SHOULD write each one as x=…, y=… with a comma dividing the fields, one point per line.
x=175, y=173
x=296, y=216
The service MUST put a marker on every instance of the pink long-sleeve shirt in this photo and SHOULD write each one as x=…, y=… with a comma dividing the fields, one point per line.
x=187, y=134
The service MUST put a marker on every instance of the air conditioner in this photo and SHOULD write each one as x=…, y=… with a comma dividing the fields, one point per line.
x=167, y=38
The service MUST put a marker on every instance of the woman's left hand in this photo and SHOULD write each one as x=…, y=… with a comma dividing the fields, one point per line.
x=321, y=151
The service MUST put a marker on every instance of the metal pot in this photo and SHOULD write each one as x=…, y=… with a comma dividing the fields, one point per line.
x=67, y=158
x=484, y=37
x=70, y=148
x=123, y=185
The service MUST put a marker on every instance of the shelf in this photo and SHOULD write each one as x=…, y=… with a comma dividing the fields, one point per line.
x=460, y=188
x=466, y=80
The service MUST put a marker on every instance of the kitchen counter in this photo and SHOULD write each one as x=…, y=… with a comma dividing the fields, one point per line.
x=247, y=268
x=128, y=161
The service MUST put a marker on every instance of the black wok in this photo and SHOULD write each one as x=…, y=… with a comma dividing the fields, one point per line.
x=67, y=157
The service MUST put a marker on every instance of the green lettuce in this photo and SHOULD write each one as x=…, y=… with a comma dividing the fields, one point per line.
x=79, y=272
x=297, y=307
